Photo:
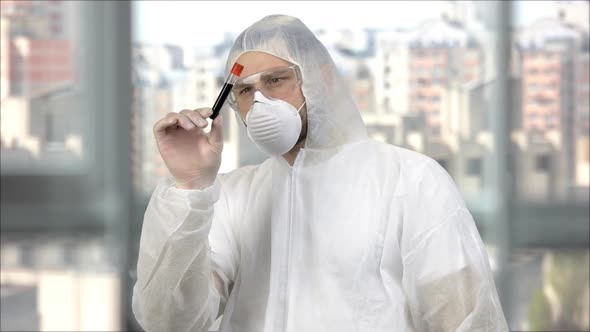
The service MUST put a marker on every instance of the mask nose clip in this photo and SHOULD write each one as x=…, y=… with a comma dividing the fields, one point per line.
x=259, y=97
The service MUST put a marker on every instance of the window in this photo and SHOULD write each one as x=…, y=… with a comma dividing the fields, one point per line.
x=437, y=73
x=474, y=166
x=435, y=131
x=60, y=228
x=422, y=81
x=542, y=163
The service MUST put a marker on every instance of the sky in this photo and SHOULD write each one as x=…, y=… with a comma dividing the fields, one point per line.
x=204, y=23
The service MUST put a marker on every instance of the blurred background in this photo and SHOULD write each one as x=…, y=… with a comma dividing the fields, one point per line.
x=497, y=92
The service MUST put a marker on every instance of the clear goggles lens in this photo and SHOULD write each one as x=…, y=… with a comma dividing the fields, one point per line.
x=277, y=83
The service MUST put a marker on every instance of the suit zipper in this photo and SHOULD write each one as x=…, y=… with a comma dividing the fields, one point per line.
x=290, y=235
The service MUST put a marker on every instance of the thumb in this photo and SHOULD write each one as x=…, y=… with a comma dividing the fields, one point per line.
x=216, y=133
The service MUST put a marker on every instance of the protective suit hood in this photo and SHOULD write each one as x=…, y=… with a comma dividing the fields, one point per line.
x=332, y=117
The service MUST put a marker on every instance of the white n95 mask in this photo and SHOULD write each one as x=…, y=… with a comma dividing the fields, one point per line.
x=273, y=125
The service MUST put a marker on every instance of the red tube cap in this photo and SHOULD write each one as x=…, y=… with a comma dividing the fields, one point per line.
x=237, y=69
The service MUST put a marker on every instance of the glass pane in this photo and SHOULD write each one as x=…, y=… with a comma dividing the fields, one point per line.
x=549, y=230
x=554, y=292
x=550, y=132
x=58, y=282
x=40, y=95
x=63, y=239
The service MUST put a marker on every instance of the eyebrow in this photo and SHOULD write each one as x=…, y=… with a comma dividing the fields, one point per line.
x=277, y=71
x=240, y=86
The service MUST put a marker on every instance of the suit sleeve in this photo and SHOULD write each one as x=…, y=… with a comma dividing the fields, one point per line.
x=446, y=274
x=187, y=259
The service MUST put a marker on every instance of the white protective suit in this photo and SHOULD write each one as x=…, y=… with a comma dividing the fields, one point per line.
x=355, y=236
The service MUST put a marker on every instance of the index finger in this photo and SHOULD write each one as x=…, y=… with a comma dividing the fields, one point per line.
x=165, y=123
x=204, y=111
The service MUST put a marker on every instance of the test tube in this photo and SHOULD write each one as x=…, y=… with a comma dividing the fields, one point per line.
x=231, y=79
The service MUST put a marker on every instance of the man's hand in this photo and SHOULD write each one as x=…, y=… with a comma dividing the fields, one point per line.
x=192, y=156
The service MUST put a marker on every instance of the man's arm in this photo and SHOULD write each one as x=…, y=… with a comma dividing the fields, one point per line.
x=449, y=283
x=178, y=287
x=446, y=274
x=448, y=301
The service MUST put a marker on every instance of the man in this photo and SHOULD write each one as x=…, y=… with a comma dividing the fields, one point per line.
x=334, y=232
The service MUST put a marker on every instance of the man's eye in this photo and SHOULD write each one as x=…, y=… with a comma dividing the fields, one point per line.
x=274, y=81
x=245, y=90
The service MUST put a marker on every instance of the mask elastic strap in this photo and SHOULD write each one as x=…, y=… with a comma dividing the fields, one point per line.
x=300, y=107
x=241, y=118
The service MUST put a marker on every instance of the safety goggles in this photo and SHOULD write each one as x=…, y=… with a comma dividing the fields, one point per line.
x=277, y=83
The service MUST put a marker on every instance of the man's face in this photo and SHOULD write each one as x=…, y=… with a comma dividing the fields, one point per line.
x=255, y=62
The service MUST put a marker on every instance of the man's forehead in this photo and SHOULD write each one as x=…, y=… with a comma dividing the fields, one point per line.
x=255, y=62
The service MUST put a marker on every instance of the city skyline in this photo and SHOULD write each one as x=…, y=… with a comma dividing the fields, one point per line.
x=427, y=89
